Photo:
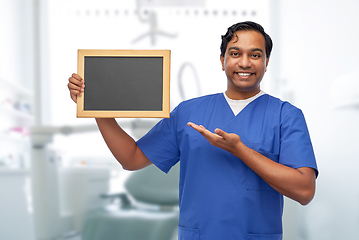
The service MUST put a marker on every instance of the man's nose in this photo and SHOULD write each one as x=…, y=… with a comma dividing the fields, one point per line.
x=244, y=62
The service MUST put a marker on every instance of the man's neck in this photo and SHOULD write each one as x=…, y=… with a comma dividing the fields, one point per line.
x=236, y=95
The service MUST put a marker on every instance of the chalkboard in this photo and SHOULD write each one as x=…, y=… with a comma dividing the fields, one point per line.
x=124, y=83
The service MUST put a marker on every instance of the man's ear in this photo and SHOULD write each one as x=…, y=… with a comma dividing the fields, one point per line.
x=222, y=61
x=267, y=61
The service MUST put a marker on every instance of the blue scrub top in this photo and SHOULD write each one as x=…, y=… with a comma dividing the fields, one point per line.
x=220, y=197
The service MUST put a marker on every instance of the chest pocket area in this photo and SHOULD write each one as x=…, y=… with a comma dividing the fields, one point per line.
x=253, y=181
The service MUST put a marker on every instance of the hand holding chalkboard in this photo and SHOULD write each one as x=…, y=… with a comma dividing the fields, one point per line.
x=76, y=86
x=122, y=83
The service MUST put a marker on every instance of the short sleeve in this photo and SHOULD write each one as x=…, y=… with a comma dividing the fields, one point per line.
x=296, y=148
x=160, y=143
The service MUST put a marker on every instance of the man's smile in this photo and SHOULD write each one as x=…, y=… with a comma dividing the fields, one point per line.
x=244, y=74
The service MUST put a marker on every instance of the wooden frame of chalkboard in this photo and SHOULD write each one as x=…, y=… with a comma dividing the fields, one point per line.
x=124, y=83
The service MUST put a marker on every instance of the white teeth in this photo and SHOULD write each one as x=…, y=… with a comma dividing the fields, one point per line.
x=244, y=74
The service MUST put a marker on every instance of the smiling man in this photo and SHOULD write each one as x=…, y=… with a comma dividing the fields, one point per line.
x=240, y=151
x=244, y=62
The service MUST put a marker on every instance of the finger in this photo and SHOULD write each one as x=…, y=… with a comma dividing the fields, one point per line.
x=74, y=97
x=76, y=76
x=192, y=125
x=198, y=128
x=75, y=89
x=76, y=92
x=220, y=132
x=205, y=132
x=75, y=81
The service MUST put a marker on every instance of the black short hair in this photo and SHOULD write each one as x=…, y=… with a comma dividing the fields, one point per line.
x=248, y=25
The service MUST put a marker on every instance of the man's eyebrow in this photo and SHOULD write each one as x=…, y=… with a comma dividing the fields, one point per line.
x=252, y=50
x=233, y=48
x=257, y=49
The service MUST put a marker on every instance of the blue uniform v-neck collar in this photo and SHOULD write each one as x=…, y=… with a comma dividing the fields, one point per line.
x=228, y=107
x=220, y=115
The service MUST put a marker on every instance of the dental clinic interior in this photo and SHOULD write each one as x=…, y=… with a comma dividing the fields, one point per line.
x=58, y=179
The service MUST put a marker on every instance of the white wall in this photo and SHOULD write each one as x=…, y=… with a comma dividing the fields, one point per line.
x=318, y=47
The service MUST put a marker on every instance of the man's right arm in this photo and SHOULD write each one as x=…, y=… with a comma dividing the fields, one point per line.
x=122, y=146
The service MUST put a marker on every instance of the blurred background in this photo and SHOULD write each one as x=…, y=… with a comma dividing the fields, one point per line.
x=55, y=169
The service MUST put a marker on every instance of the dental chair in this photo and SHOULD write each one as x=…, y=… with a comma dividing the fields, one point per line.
x=147, y=211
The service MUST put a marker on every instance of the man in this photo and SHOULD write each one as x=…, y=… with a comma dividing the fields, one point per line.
x=249, y=150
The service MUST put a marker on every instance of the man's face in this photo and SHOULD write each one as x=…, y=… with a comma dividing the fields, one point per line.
x=245, y=63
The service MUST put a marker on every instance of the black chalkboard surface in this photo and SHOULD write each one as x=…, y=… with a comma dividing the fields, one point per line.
x=124, y=83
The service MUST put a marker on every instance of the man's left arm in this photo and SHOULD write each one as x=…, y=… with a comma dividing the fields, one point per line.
x=297, y=184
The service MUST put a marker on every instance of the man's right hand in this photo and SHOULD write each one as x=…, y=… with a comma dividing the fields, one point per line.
x=76, y=86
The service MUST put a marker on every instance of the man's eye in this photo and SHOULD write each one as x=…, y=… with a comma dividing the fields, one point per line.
x=256, y=55
x=234, y=54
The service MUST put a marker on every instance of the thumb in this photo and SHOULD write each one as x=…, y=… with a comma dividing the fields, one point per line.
x=220, y=132
x=74, y=98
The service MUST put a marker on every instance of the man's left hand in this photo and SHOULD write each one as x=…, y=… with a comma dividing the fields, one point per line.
x=227, y=141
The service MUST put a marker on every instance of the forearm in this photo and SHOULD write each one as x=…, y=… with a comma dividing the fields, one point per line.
x=122, y=146
x=297, y=184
